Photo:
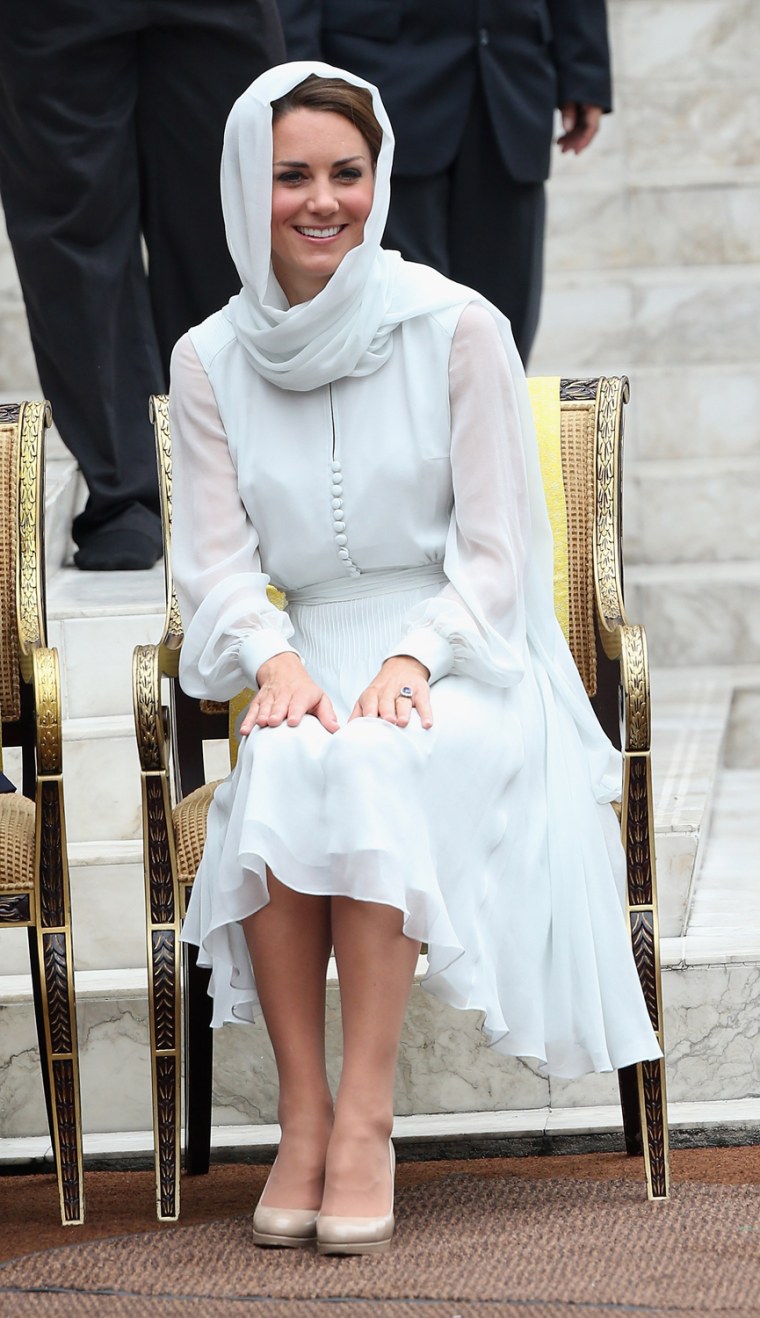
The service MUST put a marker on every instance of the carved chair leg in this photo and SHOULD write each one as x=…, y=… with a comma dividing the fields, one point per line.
x=654, y=1120
x=198, y=1065
x=165, y=1064
x=39, y=1017
x=63, y=1069
x=628, y=1080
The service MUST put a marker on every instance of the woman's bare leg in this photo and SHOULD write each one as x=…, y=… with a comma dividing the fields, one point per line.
x=289, y=941
x=376, y=964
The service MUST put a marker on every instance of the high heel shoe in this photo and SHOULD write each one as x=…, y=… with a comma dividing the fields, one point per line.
x=357, y=1235
x=290, y=1228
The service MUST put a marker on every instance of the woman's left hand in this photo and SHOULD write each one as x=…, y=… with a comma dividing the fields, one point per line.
x=382, y=698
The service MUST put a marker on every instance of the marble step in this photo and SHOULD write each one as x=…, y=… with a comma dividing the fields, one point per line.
x=684, y=411
x=717, y=1122
x=710, y=993
x=107, y=910
x=614, y=321
x=692, y=510
x=598, y=222
x=697, y=613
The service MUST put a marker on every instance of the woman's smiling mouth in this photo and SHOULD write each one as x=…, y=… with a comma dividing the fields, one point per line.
x=327, y=232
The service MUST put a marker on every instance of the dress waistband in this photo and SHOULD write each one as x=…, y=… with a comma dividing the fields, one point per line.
x=369, y=583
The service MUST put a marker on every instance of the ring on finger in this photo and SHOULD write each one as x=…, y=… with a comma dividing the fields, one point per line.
x=405, y=693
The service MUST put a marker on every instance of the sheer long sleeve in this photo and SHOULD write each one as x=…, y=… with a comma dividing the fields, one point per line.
x=476, y=625
x=231, y=628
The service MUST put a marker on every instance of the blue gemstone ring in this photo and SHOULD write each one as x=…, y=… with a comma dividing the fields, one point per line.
x=406, y=692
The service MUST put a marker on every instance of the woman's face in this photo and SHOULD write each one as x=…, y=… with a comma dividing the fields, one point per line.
x=322, y=188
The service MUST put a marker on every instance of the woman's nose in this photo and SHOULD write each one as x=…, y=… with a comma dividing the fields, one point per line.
x=323, y=201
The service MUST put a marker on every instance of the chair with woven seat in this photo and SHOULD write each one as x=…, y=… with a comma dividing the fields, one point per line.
x=580, y=426
x=34, y=878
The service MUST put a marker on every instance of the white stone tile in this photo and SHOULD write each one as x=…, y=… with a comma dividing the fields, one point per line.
x=706, y=123
x=588, y=227
x=716, y=519
x=14, y=952
x=683, y=411
x=584, y=1120
x=692, y=225
x=98, y=661
x=101, y=780
x=115, y=1065
x=711, y=1031
x=700, y=615
x=713, y=315
x=706, y=40
x=587, y=1091
x=743, y=742
x=676, y=855
x=22, y=1101
x=584, y=329
x=75, y=594
x=108, y=916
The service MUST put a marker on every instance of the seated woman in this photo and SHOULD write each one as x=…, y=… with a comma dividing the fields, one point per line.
x=420, y=761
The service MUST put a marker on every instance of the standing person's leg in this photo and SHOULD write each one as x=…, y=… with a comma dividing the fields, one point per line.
x=496, y=229
x=289, y=942
x=194, y=63
x=70, y=188
x=376, y=965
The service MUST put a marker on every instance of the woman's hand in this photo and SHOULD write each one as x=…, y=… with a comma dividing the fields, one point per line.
x=382, y=698
x=285, y=694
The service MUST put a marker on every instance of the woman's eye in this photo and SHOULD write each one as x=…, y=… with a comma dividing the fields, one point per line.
x=350, y=174
x=290, y=176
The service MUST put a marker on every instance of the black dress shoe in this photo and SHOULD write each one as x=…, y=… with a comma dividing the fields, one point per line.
x=118, y=550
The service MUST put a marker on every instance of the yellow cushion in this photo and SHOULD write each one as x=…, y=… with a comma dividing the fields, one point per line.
x=545, y=401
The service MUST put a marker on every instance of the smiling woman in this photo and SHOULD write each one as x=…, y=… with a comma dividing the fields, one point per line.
x=322, y=188
x=419, y=760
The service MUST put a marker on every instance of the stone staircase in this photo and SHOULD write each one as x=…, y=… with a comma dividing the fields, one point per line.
x=653, y=269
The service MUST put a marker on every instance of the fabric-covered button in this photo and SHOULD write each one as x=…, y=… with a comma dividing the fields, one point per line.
x=337, y=487
x=337, y=503
x=338, y=525
x=343, y=553
x=341, y=539
x=354, y=572
x=335, y=466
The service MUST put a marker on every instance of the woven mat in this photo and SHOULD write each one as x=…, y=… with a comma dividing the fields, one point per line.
x=466, y=1243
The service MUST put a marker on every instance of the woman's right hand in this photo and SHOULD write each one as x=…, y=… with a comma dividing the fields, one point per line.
x=285, y=694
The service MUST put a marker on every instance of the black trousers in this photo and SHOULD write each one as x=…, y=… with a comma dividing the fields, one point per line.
x=477, y=225
x=111, y=122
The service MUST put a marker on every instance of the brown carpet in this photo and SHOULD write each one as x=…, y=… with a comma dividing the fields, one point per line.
x=549, y=1236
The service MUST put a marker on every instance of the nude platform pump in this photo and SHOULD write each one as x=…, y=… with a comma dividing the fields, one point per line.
x=288, y=1228
x=357, y=1235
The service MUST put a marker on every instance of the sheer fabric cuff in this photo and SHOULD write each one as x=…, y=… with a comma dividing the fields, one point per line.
x=259, y=646
x=430, y=648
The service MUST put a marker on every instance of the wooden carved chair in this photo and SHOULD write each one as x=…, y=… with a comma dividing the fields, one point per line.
x=580, y=424
x=34, y=876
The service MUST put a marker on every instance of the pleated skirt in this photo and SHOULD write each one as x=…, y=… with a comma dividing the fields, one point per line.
x=486, y=831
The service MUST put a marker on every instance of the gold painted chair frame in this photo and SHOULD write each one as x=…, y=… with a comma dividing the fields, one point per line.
x=170, y=739
x=30, y=695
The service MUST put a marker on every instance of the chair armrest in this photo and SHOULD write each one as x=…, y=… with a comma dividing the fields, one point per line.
x=34, y=419
x=149, y=665
x=613, y=393
x=171, y=642
x=46, y=684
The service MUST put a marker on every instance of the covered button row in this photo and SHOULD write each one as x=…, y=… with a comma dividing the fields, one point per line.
x=339, y=523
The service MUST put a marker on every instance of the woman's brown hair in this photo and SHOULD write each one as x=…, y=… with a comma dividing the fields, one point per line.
x=338, y=97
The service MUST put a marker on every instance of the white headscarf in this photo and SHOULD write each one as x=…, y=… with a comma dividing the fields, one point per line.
x=347, y=329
